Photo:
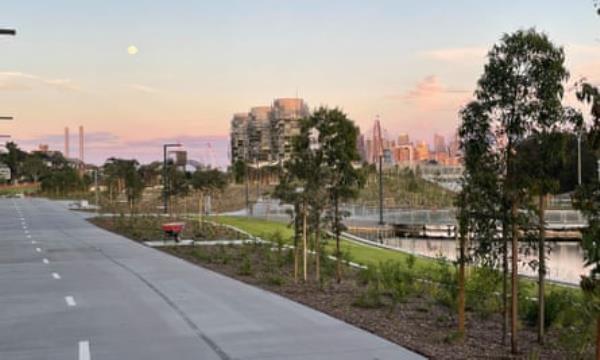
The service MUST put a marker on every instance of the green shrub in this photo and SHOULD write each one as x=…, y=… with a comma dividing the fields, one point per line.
x=482, y=290
x=369, y=299
x=245, y=268
x=445, y=290
x=556, y=302
x=575, y=326
x=273, y=279
x=396, y=282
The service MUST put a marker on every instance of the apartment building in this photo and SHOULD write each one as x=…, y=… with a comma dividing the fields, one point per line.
x=264, y=135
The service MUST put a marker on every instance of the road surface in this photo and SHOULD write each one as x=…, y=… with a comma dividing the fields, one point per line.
x=69, y=290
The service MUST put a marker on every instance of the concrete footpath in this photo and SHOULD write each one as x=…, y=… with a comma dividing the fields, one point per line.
x=69, y=290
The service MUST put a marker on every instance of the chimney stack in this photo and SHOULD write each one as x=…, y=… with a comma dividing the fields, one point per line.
x=66, y=142
x=81, y=144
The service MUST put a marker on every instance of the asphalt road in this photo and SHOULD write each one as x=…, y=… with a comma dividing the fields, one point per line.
x=69, y=290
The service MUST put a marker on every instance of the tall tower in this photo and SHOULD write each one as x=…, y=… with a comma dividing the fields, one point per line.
x=377, y=150
x=66, y=154
x=81, y=144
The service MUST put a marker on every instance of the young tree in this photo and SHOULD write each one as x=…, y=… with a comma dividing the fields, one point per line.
x=286, y=192
x=587, y=199
x=521, y=89
x=206, y=182
x=122, y=176
x=336, y=135
x=478, y=202
x=14, y=158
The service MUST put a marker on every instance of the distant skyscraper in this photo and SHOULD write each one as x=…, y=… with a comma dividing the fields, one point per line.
x=439, y=143
x=66, y=154
x=403, y=139
x=422, y=151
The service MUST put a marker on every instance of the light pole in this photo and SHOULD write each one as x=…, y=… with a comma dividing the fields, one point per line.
x=165, y=182
x=96, y=193
x=579, y=157
x=381, y=190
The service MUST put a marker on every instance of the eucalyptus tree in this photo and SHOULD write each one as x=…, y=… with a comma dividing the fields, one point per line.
x=321, y=172
x=336, y=136
x=13, y=158
x=286, y=192
x=542, y=159
x=521, y=90
x=206, y=182
x=587, y=199
x=305, y=182
x=478, y=201
x=122, y=176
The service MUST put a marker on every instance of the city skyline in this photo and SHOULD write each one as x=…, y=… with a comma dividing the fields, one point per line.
x=164, y=72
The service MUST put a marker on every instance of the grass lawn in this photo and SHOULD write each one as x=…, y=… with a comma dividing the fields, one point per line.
x=13, y=190
x=362, y=254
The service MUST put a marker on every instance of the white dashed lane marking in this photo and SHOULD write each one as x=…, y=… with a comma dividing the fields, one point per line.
x=84, y=350
x=56, y=276
x=70, y=301
x=38, y=249
x=45, y=261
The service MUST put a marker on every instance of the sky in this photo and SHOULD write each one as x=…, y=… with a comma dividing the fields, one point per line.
x=413, y=63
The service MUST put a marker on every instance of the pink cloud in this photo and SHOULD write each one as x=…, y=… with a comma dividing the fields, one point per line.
x=457, y=54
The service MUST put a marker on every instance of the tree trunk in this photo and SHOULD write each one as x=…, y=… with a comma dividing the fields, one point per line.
x=542, y=269
x=296, y=236
x=505, y=308
x=461, y=284
x=598, y=337
x=318, y=246
x=514, y=280
x=304, y=244
x=200, y=209
x=338, y=253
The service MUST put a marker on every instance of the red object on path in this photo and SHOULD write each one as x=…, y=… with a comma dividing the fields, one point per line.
x=173, y=229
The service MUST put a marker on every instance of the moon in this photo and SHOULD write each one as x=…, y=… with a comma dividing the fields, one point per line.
x=132, y=50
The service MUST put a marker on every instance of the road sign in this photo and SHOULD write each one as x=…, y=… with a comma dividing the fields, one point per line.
x=4, y=172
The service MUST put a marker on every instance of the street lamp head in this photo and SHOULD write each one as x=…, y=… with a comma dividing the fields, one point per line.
x=11, y=32
x=6, y=118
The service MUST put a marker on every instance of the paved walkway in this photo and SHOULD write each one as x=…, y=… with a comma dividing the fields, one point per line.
x=73, y=291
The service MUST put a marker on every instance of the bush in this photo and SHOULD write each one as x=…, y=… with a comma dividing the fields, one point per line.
x=483, y=291
x=556, y=302
x=245, y=268
x=575, y=326
x=446, y=291
x=395, y=281
x=273, y=279
x=370, y=298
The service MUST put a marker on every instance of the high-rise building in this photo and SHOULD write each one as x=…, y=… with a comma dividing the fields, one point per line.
x=361, y=147
x=265, y=133
x=439, y=143
x=403, y=155
x=66, y=153
x=403, y=139
x=285, y=124
x=259, y=132
x=421, y=151
x=239, y=137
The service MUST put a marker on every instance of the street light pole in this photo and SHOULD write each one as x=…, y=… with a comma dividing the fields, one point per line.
x=96, y=193
x=165, y=182
x=579, y=157
x=381, y=190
